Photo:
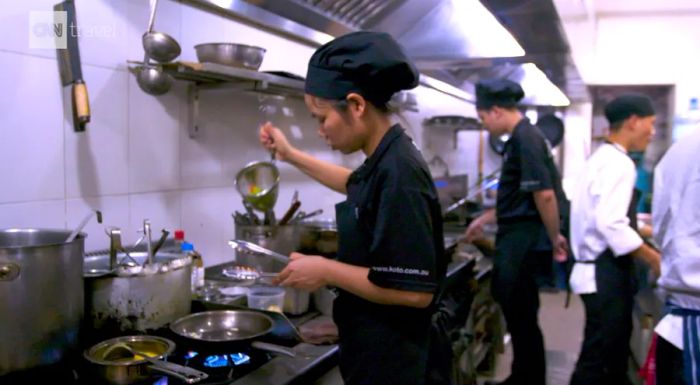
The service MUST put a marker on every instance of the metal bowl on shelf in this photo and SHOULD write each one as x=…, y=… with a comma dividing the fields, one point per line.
x=231, y=54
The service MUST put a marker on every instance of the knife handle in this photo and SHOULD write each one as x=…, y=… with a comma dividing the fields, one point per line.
x=81, y=103
x=288, y=215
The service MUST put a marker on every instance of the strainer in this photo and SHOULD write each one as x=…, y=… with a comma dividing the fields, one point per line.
x=258, y=183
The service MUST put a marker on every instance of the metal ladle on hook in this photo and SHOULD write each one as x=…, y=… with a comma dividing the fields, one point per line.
x=162, y=48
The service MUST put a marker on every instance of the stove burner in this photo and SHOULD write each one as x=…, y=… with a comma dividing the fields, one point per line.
x=239, y=358
x=219, y=360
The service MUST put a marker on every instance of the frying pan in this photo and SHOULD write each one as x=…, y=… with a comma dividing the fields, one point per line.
x=552, y=128
x=223, y=327
x=498, y=143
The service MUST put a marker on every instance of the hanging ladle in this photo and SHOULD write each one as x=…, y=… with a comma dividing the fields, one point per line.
x=159, y=46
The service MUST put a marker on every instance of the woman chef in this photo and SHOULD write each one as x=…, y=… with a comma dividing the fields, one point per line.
x=390, y=253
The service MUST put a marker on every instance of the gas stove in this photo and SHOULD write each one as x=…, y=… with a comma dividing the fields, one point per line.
x=235, y=364
x=223, y=366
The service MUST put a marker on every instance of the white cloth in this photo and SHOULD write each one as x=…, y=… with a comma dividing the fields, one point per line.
x=599, y=206
x=676, y=223
x=670, y=328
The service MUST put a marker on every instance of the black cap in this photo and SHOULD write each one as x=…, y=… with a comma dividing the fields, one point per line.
x=369, y=63
x=497, y=92
x=624, y=106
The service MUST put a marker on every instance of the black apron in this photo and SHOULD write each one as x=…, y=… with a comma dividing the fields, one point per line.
x=517, y=240
x=606, y=346
x=514, y=287
x=379, y=344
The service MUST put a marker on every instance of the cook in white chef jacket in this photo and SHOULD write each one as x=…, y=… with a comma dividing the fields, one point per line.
x=676, y=222
x=604, y=241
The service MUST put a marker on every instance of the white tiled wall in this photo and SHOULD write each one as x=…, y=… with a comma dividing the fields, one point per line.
x=136, y=160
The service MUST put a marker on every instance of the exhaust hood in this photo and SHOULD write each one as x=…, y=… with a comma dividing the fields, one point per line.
x=454, y=42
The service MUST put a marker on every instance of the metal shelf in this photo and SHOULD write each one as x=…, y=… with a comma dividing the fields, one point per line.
x=218, y=76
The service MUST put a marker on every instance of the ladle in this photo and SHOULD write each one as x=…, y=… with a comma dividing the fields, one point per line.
x=82, y=224
x=159, y=46
x=258, y=183
x=121, y=350
x=152, y=80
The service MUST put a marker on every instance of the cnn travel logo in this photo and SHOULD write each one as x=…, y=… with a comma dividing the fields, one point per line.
x=48, y=29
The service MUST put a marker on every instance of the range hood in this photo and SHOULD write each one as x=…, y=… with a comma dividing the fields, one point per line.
x=454, y=42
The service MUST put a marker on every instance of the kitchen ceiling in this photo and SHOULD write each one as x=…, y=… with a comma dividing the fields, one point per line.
x=455, y=41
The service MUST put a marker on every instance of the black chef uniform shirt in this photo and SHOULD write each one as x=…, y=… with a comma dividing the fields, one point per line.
x=392, y=224
x=528, y=167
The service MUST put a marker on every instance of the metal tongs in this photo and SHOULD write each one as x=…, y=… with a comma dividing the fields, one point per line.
x=474, y=192
x=252, y=248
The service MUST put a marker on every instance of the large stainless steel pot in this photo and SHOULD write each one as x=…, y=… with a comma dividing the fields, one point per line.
x=137, y=298
x=41, y=297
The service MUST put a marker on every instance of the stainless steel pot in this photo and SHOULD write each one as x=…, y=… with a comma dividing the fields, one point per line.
x=312, y=237
x=129, y=368
x=284, y=240
x=138, y=297
x=41, y=296
x=281, y=239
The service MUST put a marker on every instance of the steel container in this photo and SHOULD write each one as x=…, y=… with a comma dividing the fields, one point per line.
x=231, y=54
x=41, y=297
x=124, y=372
x=137, y=297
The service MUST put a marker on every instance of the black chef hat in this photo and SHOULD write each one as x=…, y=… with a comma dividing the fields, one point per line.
x=624, y=106
x=371, y=64
x=497, y=92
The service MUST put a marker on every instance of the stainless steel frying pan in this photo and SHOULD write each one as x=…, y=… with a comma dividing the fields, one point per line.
x=225, y=326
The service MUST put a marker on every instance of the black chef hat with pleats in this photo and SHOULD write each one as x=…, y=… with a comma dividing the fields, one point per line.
x=626, y=105
x=497, y=92
x=371, y=64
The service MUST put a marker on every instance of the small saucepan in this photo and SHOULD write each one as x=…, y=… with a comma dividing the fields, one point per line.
x=226, y=327
x=132, y=359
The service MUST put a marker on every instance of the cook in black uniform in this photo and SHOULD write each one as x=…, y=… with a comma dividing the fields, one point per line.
x=527, y=214
x=390, y=253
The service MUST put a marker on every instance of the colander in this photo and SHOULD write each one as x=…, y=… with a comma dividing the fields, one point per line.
x=258, y=183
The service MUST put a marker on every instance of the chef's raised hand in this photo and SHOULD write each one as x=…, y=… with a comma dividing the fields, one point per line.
x=273, y=139
x=305, y=272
